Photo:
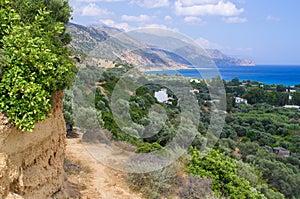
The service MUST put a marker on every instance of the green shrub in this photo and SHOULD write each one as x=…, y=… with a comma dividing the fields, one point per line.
x=34, y=65
x=224, y=173
x=148, y=147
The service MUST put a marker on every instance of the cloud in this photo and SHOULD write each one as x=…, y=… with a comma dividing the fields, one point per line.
x=92, y=10
x=155, y=26
x=240, y=1
x=168, y=18
x=127, y=27
x=234, y=20
x=197, y=2
x=272, y=18
x=140, y=18
x=196, y=20
x=111, y=23
x=151, y=3
x=206, y=8
x=158, y=26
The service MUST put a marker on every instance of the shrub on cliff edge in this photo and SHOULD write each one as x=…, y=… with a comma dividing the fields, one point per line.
x=34, y=63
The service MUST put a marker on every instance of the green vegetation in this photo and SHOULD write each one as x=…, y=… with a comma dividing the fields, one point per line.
x=240, y=165
x=256, y=92
x=224, y=172
x=259, y=130
x=139, y=106
x=34, y=59
x=281, y=173
x=257, y=156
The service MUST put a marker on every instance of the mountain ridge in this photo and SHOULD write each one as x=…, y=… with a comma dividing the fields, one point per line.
x=87, y=42
x=224, y=60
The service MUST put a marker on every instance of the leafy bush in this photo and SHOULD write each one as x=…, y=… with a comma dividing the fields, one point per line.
x=148, y=147
x=224, y=173
x=283, y=177
x=34, y=65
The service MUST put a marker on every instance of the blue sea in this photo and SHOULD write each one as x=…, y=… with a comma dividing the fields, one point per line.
x=268, y=74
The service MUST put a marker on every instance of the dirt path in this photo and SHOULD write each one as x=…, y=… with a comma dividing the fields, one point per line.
x=95, y=181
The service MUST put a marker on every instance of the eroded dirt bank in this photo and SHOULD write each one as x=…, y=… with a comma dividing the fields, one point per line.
x=31, y=163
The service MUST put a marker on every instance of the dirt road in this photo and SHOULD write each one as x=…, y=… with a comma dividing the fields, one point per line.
x=94, y=180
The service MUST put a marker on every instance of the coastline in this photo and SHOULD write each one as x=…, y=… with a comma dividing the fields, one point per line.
x=268, y=74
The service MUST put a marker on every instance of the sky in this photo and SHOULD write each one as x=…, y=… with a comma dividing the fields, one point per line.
x=266, y=31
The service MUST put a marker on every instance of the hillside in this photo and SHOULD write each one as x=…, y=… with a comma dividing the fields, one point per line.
x=257, y=148
x=150, y=49
x=96, y=46
x=221, y=59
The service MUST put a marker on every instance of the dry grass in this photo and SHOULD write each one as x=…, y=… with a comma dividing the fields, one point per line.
x=125, y=146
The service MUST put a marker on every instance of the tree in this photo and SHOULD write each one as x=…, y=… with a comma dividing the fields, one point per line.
x=235, y=81
x=230, y=102
x=60, y=11
x=296, y=98
x=255, y=95
x=224, y=172
x=68, y=108
x=277, y=98
x=280, y=88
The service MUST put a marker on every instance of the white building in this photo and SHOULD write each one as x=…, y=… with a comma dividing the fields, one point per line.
x=239, y=100
x=162, y=96
x=195, y=80
x=291, y=106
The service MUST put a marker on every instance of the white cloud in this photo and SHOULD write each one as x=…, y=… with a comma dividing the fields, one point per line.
x=151, y=3
x=127, y=27
x=272, y=18
x=114, y=24
x=140, y=18
x=206, y=8
x=92, y=10
x=155, y=26
x=156, y=3
x=168, y=18
x=197, y=2
x=240, y=1
x=158, y=26
x=234, y=20
x=191, y=19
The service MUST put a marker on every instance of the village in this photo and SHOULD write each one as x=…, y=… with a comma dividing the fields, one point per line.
x=238, y=98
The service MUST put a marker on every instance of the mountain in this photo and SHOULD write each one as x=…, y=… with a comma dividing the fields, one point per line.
x=150, y=50
x=223, y=60
x=103, y=45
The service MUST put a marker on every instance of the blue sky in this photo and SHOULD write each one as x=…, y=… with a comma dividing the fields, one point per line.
x=266, y=31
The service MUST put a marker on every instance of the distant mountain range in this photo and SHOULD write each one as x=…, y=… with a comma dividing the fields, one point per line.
x=223, y=60
x=148, y=50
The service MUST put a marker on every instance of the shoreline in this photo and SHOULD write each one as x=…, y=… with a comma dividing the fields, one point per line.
x=266, y=74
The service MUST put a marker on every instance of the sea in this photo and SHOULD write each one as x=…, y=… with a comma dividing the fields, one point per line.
x=268, y=74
